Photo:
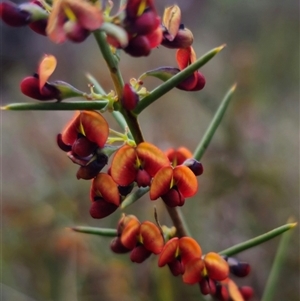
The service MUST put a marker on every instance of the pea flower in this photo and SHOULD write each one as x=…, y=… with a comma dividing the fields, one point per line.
x=141, y=239
x=73, y=20
x=173, y=185
x=38, y=87
x=84, y=139
x=211, y=265
x=104, y=195
x=177, y=252
x=137, y=164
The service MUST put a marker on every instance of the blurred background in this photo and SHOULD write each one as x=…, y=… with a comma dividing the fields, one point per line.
x=251, y=179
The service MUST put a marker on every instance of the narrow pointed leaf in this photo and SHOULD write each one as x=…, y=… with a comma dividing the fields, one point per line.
x=135, y=196
x=162, y=73
x=257, y=240
x=202, y=146
x=273, y=283
x=96, y=231
x=56, y=106
x=175, y=80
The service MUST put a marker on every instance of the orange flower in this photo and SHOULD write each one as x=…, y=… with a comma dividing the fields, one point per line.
x=104, y=195
x=212, y=266
x=178, y=156
x=137, y=164
x=142, y=239
x=173, y=185
x=177, y=252
x=73, y=19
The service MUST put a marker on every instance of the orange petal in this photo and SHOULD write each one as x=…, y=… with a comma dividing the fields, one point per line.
x=189, y=249
x=151, y=236
x=46, y=68
x=216, y=266
x=94, y=126
x=161, y=182
x=123, y=168
x=155, y=37
x=70, y=133
x=185, y=180
x=153, y=159
x=193, y=270
x=88, y=16
x=234, y=291
x=103, y=185
x=179, y=155
x=171, y=20
x=130, y=233
x=183, y=57
x=168, y=252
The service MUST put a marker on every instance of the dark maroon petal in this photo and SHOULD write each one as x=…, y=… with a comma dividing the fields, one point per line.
x=62, y=145
x=176, y=267
x=139, y=254
x=117, y=247
x=195, y=166
x=101, y=209
x=143, y=179
x=39, y=26
x=12, y=15
x=138, y=46
x=83, y=147
x=173, y=198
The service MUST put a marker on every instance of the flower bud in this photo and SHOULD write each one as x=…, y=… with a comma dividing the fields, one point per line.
x=12, y=15
x=247, y=292
x=117, y=247
x=195, y=166
x=92, y=169
x=100, y=208
x=138, y=46
x=129, y=98
x=145, y=24
x=238, y=268
x=183, y=39
x=139, y=254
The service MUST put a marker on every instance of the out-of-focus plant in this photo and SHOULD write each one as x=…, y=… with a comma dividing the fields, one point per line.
x=137, y=167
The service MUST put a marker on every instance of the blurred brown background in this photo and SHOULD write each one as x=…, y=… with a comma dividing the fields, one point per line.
x=251, y=179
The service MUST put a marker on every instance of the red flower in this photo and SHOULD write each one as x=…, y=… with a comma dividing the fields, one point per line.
x=137, y=164
x=212, y=266
x=142, y=239
x=196, y=81
x=173, y=185
x=73, y=19
x=177, y=252
x=104, y=195
x=178, y=156
x=83, y=139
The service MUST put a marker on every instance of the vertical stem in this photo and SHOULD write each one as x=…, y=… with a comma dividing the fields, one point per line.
x=131, y=118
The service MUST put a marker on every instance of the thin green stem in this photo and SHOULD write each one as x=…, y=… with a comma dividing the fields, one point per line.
x=203, y=144
x=257, y=240
x=96, y=231
x=273, y=280
x=175, y=80
x=56, y=106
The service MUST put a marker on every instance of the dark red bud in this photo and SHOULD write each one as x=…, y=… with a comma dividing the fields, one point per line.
x=12, y=15
x=195, y=166
x=39, y=26
x=139, y=254
x=83, y=147
x=238, y=268
x=30, y=87
x=138, y=46
x=176, y=267
x=100, y=208
x=89, y=171
x=222, y=293
x=129, y=98
x=143, y=179
x=173, y=198
x=183, y=39
x=145, y=24
x=75, y=32
x=117, y=247
x=207, y=286
x=247, y=292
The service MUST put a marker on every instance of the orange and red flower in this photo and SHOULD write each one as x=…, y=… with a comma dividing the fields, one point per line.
x=177, y=252
x=173, y=185
x=104, y=195
x=142, y=239
x=83, y=139
x=137, y=164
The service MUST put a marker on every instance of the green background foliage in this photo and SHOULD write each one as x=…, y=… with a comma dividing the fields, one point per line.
x=251, y=180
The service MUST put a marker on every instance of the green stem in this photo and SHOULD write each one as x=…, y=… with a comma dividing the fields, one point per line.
x=273, y=280
x=257, y=240
x=96, y=231
x=130, y=117
x=56, y=106
x=178, y=221
x=175, y=80
x=203, y=144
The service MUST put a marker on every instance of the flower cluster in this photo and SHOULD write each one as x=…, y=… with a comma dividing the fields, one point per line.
x=121, y=165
